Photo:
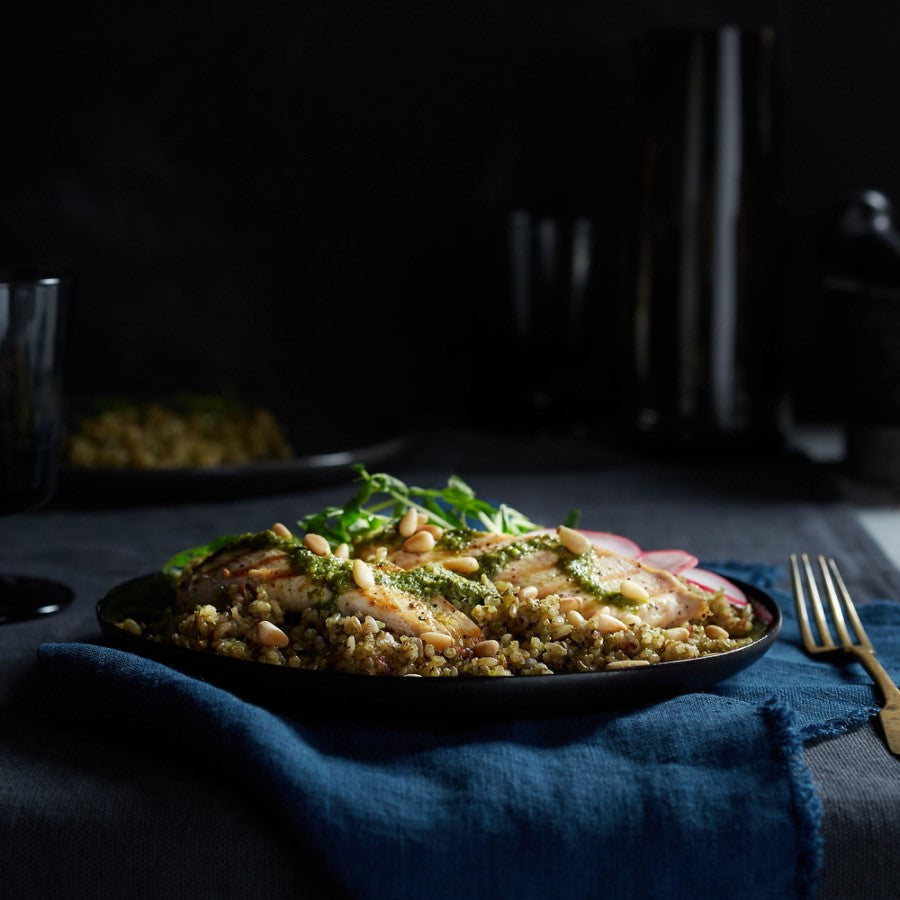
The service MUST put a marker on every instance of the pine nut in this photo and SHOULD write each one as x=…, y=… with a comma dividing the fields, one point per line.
x=281, y=530
x=420, y=542
x=342, y=551
x=607, y=624
x=362, y=575
x=631, y=619
x=409, y=523
x=631, y=590
x=465, y=564
x=529, y=592
x=677, y=634
x=271, y=635
x=627, y=663
x=437, y=640
x=486, y=648
x=568, y=603
x=132, y=627
x=434, y=530
x=317, y=544
x=574, y=541
x=421, y=521
x=716, y=633
x=575, y=618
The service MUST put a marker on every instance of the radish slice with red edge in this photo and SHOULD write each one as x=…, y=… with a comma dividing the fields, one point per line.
x=673, y=561
x=712, y=582
x=604, y=540
x=615, y=543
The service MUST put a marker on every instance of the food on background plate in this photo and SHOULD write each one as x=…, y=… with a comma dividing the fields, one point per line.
x=436, y=582
x=187, y=432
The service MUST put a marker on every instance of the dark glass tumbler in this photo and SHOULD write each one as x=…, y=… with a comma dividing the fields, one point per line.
x=31, y=341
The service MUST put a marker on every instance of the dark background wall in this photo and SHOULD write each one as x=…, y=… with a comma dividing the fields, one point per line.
x=283, y=194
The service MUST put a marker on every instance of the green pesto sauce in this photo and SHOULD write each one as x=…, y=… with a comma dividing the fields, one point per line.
x=457, y=539
x=495, y=561
x=432, y=579
x=583, y=571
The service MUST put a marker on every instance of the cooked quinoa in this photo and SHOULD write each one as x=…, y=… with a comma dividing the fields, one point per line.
x=522, y=636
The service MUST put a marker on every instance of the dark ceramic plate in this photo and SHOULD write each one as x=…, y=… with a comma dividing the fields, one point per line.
x=302, y=692
x=329, y=464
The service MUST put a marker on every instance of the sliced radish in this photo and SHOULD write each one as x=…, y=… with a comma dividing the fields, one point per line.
x=614, y=543
x=673, y=561
x=712, y=582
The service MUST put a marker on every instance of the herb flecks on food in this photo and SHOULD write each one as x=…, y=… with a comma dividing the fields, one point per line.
x=381, y=499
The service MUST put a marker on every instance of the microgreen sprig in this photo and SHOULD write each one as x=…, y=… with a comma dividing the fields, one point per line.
x=382, y=498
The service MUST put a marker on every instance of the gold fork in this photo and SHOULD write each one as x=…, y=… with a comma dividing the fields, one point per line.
x=862, y=648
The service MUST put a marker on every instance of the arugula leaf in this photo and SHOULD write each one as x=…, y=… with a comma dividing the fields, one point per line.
x=181, y=560
x=382, y=498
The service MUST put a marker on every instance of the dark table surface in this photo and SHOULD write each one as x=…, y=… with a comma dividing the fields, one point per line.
x=109, y=816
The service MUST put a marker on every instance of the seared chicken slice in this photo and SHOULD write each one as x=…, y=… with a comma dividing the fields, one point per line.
x=209, y=582
x=658, y=597
x=404, y=614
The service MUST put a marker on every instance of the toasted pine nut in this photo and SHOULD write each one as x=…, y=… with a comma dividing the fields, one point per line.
x=630, y=619
x=317, y=544
x=409, y=523
x=633, y=591
x=281, y=530
x=568, y=603
x=574, y=617
x=464, y=564
x=420, y=542
x=486, y=648
x=342, y=551
x=627, y=663
x=437, y=640
x=529, y=592
x=362, y=575
x=132, y=627
x=434, y=530
x=421, y=520
x=607, y=624
x=271, y=635
x=574, y=541
x=677, y=634
x=716, y=633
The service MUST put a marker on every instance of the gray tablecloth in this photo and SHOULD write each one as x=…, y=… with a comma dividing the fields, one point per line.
x=80, y=816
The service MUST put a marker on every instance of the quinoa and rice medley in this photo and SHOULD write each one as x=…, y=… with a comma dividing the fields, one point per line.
x=439, y=583
x=522, y=636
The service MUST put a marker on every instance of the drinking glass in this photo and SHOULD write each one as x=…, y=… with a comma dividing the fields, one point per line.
x=31, y=339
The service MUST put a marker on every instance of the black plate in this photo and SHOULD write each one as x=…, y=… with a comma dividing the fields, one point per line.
x=280, y=476
x=298, y=691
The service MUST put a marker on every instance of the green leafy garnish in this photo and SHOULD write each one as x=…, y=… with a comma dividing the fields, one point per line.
x=382, y=499
x=181, y=560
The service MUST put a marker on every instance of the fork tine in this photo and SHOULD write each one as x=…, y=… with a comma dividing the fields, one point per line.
x=817, y=608
x=834, y=603
x=851, y=608
x=800, y=600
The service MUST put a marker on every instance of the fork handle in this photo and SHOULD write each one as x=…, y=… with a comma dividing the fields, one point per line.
x=890, y=712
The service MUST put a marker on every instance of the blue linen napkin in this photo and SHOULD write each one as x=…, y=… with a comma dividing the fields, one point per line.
x=705, y=792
